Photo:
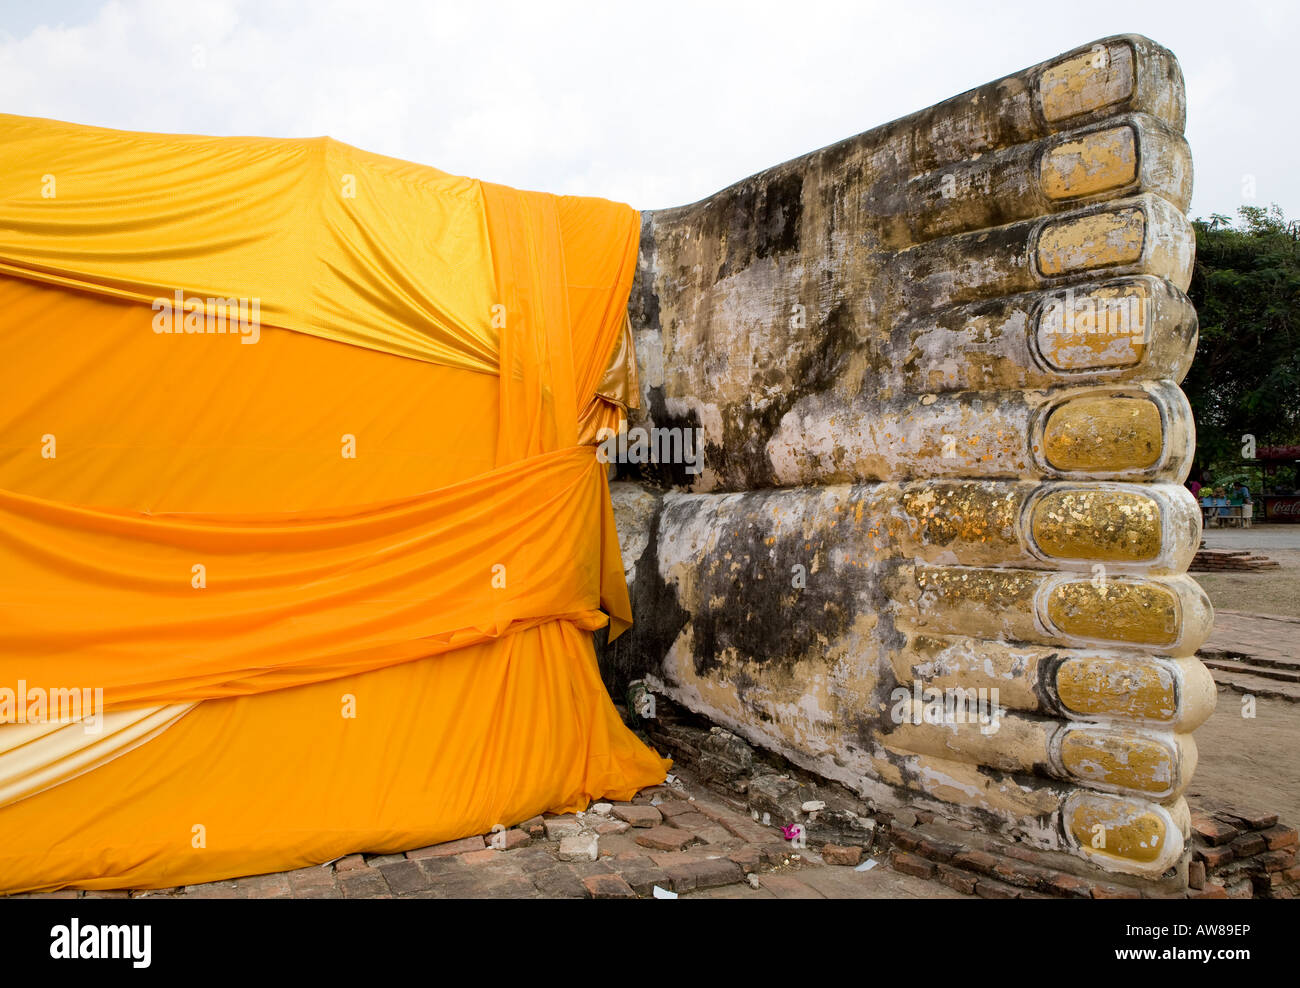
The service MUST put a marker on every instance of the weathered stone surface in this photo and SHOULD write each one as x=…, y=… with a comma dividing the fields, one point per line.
x=608, y=887
x=579, y=847
x=1279, y=837
x=725, y=756
x=227, y=890
x=364, y=884
x=912, y=864
x=703, y=874
x=559, y=827
x=449, y=848
x=676, y=808
x=749, y=858
x=405, y=877
x=934, y=372
x=834, y=854
x=955, y=878
x=665, y=838
x=643, y=876
x=560, y=883
x=638, y=816
x=509, y=840
x=264, y=887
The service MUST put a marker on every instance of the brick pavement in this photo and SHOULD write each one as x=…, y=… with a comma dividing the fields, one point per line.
x=684, y=840
x=679, y=837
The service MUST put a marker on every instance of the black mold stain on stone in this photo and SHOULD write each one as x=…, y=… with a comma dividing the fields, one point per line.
x=755, y=612
x=742, y=454
x=643, y=302
x=779, y=212
x=668, y=474
x=657, y=620
x=752, y=220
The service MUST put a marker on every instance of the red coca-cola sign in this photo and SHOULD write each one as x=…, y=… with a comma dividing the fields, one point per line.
x=1282, y=508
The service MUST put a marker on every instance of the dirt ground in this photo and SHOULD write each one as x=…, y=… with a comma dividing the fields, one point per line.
x=1267, y=592
x=1253, y=762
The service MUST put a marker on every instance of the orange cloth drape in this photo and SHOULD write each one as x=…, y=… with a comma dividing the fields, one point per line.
x=351, y=507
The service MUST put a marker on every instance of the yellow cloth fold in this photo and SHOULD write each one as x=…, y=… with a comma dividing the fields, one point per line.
x=331, y=240
x=438, y=749
x=385, y=502
x=110, y=600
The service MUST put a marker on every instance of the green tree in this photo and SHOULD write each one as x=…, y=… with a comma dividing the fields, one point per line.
x=1246, y=376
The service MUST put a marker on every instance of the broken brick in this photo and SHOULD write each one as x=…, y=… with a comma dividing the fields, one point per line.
x=976, y=861
x=704, y=874
x=643, y=876
x=937, y=850
x=908, y=840
x=1114, y=892
x=665, y=838
x=1215, y=857
x=1248, y=845
x=1250, y=819
x=1071, y=886
x=638, y=816
x=955, y=878
x=608, y=887
x=835, y=854
x=560, y=827
x=749, y=858
x=675, y=807
x=911, y=864
x=560, y=882
x=1214, y=832
x=448, y=848
x=1277, y=860
x=405, y=876
x=988, y=888
x=1280, y=836
x=1021, y=854
x=1018, y=874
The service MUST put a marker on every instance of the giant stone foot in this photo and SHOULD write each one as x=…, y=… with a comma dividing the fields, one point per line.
x=935, y=371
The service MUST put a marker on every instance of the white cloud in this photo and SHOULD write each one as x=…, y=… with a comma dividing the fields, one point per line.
x=652, y=104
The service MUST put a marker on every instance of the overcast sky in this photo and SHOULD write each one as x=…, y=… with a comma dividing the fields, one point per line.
x=653, y=103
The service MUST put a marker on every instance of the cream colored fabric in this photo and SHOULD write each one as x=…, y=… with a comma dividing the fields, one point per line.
x=35, y=757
